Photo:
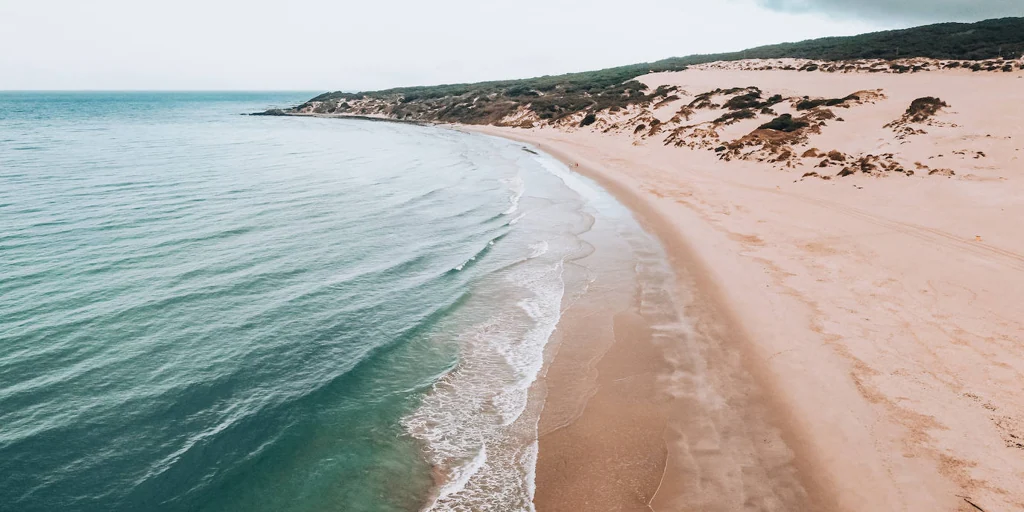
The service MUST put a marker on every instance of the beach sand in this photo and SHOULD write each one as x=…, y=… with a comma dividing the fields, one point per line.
x=856, y=342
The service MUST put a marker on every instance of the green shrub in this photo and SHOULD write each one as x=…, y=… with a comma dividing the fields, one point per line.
x=923, y=108
x=809, y=104
x=784, y=123
x=749, y=100
x=520, y=90
x=736, y=115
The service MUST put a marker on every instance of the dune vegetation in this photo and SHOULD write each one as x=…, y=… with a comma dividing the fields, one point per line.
x=551, y=98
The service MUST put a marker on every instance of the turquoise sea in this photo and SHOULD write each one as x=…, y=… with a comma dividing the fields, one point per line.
x=201, y=310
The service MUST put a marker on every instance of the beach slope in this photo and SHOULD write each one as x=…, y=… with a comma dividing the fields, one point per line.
x=869, y=259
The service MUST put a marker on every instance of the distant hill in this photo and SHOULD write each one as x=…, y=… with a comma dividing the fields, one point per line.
x=963, y=41
x=552, y=97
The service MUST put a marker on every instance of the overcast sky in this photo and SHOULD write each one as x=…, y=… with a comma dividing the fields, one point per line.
x=918, y=11
x=319, y=45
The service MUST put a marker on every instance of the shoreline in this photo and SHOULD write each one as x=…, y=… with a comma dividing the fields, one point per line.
x=863, y=280
x=594, y=387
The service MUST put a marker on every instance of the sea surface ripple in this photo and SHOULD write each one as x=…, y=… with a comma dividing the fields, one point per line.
x=206, y=311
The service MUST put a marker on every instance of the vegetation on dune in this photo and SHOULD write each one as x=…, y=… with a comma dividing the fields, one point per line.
x=552, y=98
x=751, y=99
x=921, y=109
x=593, y=83
x=736, y=116
x=808, y=103
x=784, y=123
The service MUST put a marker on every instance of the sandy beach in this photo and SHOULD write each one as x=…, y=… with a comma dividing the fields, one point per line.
x=857, y=330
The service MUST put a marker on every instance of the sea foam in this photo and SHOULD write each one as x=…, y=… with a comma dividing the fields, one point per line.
x=517, y=188
x=469, y=422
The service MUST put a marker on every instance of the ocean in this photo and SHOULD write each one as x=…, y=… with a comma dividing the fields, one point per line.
x=206, y=311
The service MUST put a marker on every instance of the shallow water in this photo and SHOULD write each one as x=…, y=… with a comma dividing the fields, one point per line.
x=206, y=311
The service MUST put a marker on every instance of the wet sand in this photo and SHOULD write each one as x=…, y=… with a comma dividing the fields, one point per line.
x=601, y=427
x=653, y=402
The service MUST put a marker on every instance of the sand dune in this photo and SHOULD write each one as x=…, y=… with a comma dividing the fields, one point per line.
x=872, y=260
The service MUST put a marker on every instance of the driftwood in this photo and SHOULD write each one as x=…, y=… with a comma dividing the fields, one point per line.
x=971, y=503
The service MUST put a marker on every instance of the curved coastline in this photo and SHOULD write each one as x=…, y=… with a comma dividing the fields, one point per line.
x=873, y=313
x=712, y=303
x=756, y=399
x=658, y=442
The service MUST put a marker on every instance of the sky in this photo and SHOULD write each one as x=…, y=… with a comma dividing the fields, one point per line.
x=320, y=45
